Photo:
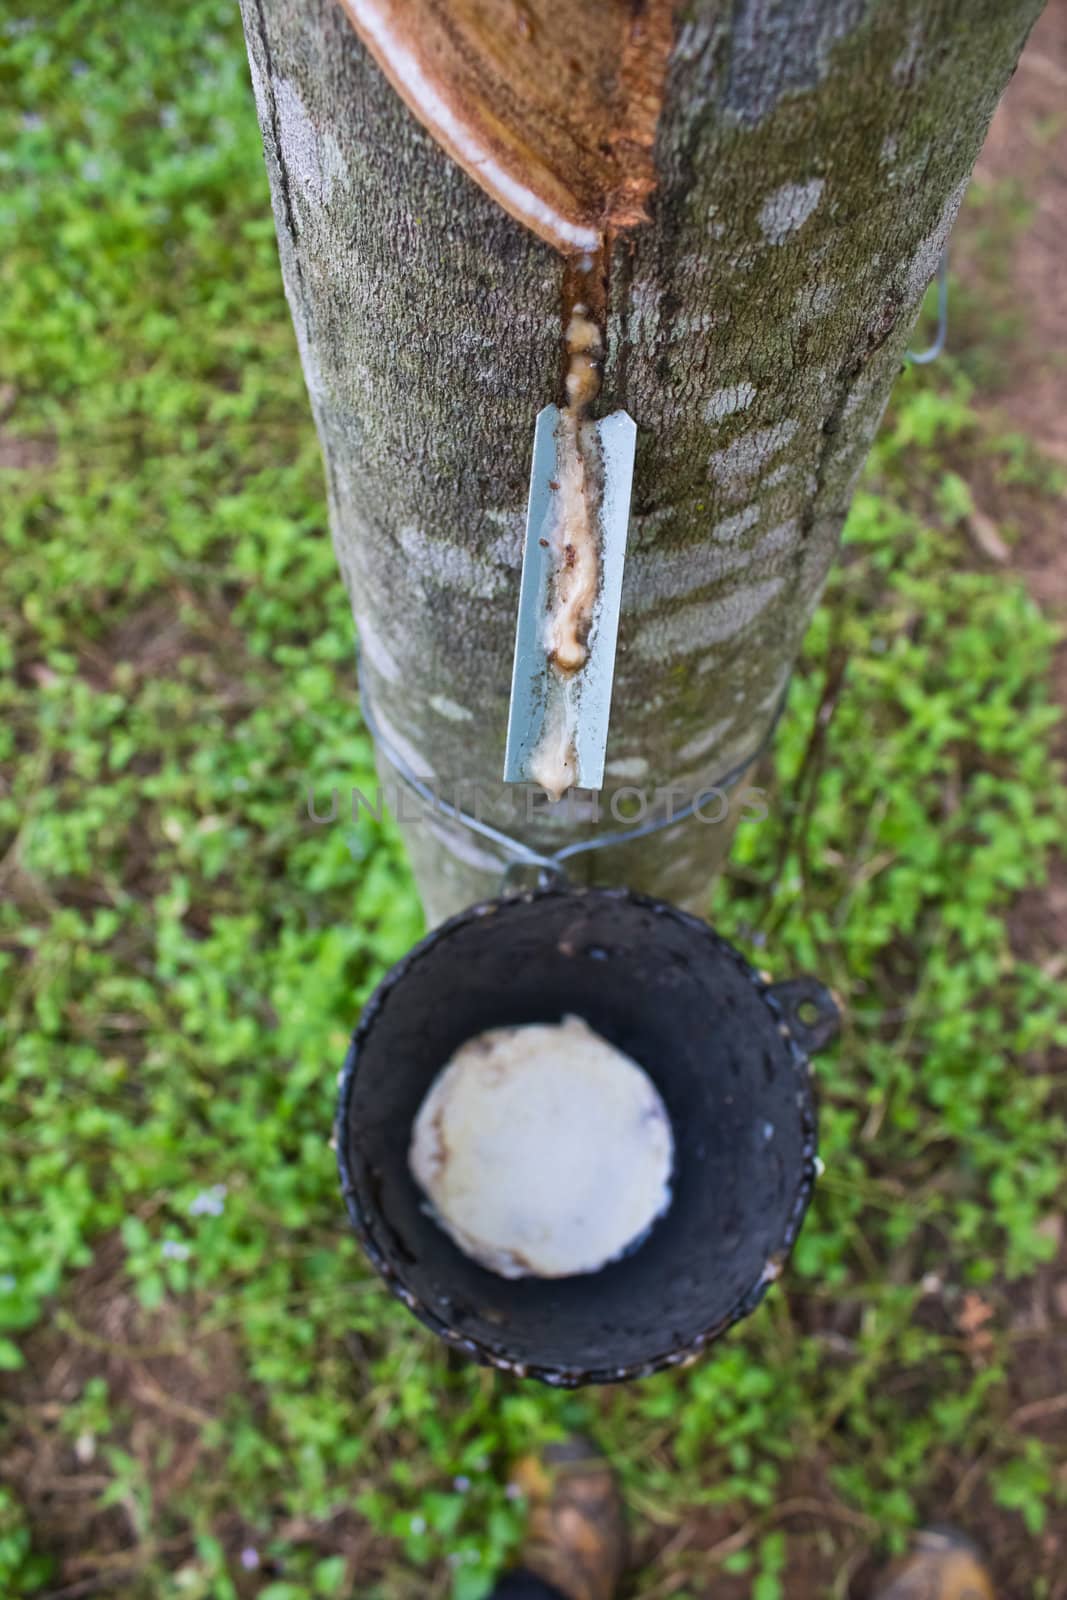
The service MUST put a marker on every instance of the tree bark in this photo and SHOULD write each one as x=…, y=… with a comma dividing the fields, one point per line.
x=811, y=156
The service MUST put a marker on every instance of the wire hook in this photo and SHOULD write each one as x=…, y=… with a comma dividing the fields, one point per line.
x=921, y=358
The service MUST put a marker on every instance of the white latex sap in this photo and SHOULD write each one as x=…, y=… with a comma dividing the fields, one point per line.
x=544, y=1150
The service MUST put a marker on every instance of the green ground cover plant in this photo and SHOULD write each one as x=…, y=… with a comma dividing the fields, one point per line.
x=186, y=1329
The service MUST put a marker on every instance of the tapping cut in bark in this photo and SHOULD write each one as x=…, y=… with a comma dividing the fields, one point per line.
x=551, y=108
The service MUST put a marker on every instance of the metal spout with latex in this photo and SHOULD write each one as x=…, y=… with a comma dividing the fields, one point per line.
x=569, y=708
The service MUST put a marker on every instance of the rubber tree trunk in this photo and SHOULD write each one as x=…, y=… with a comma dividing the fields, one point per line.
x=810, y=158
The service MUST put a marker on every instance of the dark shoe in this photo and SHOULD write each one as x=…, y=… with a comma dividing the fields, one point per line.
x=944, y=1565
x=576, y=1537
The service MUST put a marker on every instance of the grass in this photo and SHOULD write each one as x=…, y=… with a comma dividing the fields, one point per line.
x=189, y=1334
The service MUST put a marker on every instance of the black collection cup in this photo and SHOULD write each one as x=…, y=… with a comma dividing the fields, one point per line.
x=728, y=1052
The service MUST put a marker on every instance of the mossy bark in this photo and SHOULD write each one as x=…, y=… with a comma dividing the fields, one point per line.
x=812, y=156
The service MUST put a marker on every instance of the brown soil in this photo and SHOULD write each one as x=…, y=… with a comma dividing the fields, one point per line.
x=172, y=1392
x=20, y=451
x=163, y=1389
x=1027, y=146
x=1026, y=151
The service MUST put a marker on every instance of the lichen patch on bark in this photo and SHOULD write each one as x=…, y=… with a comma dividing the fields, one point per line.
x=740, y=461
x=706, y=740
x=448, y=566
x=375, y=651
x=448, y=708
x=788, y=208
x=632, y=767
x=690, y=629
x=724, y=402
